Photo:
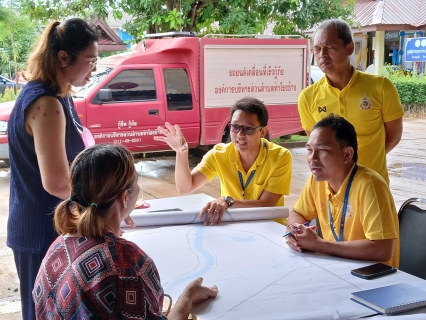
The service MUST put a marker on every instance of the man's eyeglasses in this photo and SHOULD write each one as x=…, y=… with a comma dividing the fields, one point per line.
x=247, y=130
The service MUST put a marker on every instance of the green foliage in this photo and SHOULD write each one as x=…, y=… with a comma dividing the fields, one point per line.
x=291, y=138
x=201, y=16
x=9, y=95
x=17, y=35
x=412, y=90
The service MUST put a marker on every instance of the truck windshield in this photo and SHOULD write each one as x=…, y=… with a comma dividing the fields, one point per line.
x=101, y=73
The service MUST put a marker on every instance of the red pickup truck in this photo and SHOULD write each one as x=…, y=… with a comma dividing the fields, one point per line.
x=188, y=81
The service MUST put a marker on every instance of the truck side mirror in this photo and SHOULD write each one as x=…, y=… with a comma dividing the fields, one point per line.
x=105, y=95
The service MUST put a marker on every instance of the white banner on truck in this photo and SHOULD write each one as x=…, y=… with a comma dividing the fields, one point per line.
x=270, y=73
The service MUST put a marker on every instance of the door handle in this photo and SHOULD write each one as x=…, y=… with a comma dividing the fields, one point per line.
x=155, y=111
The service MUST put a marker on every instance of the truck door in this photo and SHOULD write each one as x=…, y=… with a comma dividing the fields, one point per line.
x=132, y=111
x=182, y=107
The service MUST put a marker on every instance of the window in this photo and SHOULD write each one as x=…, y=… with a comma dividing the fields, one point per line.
x=133, y=85
x=178, y=91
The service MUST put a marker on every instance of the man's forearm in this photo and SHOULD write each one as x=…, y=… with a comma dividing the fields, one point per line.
x=377, y=250
x=295, y=217
x=183, y=177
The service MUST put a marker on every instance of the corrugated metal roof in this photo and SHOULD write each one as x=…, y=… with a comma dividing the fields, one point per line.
x=393, y=12
x=363, y=12
x=412, y=12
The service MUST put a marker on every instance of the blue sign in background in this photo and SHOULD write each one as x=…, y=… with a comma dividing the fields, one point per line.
x=415, y=49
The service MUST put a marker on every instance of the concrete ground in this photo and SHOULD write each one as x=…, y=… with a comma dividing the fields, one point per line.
x=407, y=168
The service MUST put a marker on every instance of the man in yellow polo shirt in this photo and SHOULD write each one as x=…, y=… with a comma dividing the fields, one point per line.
x=353, y=203
x=370, y=102
x=253, y=172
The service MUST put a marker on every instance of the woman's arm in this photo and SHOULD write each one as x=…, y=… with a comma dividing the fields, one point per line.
x=45, y=121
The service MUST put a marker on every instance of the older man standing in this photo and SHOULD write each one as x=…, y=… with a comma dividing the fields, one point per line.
x=370, y=102
x=353, y=203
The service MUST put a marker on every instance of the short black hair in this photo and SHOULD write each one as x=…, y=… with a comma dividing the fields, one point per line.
x=345, y=132
x=253, y=106
x=344, y=31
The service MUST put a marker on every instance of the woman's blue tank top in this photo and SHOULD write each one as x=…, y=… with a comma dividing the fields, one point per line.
x=30, y=226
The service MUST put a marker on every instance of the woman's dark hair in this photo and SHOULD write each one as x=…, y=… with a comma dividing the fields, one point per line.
x=253, y=106
x=98, y=176
x=72, y=36
x=345, y=132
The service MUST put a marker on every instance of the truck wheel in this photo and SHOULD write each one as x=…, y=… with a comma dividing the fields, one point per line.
x=226, y=138
x=199, y=151
x=267, y=137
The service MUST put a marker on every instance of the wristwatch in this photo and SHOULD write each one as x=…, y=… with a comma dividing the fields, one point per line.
x=229, y=200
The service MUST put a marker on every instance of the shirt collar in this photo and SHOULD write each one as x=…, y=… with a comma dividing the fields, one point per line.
x=355, y=74
x=340, y=195
x=234, y=156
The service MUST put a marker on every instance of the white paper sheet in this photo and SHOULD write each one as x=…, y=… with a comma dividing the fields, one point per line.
x=257, y=275
x=186, y=210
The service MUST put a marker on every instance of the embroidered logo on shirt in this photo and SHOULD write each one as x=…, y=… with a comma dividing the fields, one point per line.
x=322, y=109
x=349, y=211
x=365, y=103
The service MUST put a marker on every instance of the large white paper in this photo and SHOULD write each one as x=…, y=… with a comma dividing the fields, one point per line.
x=186, y=210
x=257, y=275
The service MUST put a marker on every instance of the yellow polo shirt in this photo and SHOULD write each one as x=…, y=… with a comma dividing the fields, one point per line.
x=273, y=171
x=367, y=102
x=370, y=213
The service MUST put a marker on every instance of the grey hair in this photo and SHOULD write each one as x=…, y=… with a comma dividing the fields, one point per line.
x=344, y=31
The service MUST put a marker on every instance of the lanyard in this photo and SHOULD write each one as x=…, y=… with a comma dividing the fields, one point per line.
x=345, y=204
x=244, y=186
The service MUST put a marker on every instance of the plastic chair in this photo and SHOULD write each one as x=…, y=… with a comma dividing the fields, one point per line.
x=412, y=224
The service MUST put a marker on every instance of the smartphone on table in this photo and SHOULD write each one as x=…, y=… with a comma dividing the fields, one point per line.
x=373, y=271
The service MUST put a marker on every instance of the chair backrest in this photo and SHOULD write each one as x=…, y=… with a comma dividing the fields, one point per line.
x=412, y=230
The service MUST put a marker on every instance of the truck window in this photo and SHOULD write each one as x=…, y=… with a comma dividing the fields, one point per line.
x=133, y=85
x=178, y=91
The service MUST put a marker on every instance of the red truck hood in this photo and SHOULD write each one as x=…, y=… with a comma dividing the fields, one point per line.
x=6, y=109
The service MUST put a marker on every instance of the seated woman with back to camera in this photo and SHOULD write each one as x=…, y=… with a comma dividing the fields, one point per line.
x=89, y=272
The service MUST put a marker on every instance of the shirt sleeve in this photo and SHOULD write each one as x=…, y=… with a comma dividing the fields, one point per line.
x=305, y=112
x=377, y=213
x=207, y=165
x=305, y=205
x=391, y=108
x=279, y=182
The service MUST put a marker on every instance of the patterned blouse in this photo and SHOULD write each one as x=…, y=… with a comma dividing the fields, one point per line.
x=85, y=278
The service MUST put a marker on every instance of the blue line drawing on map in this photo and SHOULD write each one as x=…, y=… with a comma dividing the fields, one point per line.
x=208, y=265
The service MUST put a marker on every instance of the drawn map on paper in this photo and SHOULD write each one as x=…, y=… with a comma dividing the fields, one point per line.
x=258, y=276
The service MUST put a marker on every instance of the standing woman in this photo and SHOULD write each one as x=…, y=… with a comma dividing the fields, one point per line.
x=44, y=134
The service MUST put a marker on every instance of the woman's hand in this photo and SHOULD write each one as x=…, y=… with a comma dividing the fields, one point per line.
x=196, y=292
x=129, y=221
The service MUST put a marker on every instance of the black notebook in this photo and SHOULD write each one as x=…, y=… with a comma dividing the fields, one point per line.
x=392, y=299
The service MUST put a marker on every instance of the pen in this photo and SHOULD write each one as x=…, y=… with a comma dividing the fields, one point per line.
x=306, y=224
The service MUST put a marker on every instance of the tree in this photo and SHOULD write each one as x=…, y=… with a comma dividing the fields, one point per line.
x=17, y=35
x=201, y=16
